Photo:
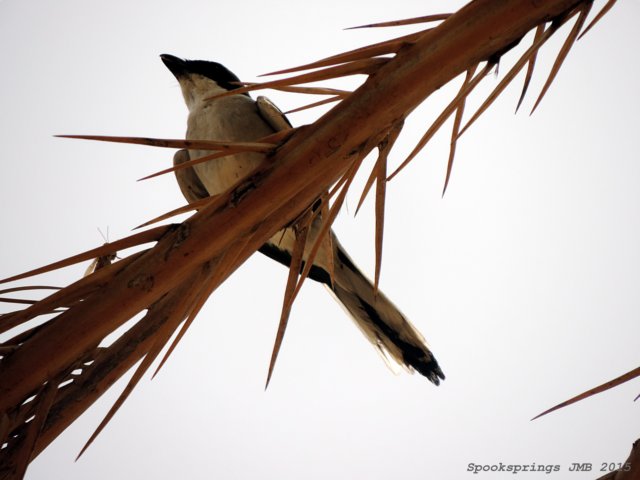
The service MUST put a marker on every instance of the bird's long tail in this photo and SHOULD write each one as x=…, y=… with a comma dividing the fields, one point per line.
x=380, y=320
x=375, y=315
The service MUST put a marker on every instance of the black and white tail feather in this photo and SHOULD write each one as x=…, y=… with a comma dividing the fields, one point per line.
x=240, y=118
x=380, y=320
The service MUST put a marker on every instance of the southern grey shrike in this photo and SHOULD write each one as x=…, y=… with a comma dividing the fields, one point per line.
x=238, y=118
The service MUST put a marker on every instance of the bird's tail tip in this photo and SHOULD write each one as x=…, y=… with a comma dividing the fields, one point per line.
x=431, y=370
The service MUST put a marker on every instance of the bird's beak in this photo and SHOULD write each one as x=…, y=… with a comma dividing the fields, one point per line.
x=177, y=65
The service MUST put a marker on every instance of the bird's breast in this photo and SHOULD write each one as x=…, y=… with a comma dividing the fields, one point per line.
x=228, y=119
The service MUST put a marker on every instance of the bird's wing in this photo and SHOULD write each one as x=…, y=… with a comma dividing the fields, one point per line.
x=271, y=114
x=190, y=184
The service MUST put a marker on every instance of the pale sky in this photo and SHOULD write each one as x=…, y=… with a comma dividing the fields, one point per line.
x=524, y=278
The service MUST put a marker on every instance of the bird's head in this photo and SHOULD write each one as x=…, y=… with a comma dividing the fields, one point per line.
x=200, y=79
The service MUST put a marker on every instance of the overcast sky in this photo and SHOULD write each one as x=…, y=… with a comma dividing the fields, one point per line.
x=524, y=278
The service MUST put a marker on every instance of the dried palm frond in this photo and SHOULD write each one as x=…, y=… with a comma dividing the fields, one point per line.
x=51, y=372
x=407, y=21
x=635, y=373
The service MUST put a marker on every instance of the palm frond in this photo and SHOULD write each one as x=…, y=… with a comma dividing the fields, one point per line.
x=165, y=285
x=407, y=21
x=635, y=373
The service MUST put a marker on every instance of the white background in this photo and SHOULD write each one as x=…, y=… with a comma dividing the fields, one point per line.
x=524, y=277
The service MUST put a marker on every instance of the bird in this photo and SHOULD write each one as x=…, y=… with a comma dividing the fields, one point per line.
x=240, y=118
